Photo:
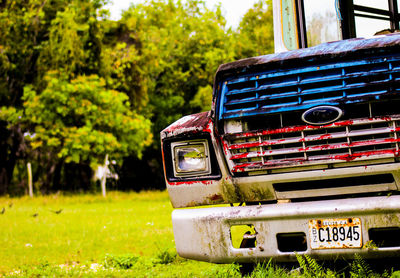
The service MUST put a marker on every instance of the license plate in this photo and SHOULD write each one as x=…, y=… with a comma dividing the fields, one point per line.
x=335, y=233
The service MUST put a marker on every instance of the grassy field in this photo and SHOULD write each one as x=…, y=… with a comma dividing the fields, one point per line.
x=123, y=235
x=45, y=234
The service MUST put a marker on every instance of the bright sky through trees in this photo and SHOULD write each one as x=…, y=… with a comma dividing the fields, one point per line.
x=233, y=10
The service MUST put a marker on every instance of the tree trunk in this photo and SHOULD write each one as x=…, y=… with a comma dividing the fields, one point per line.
x=47, y=183
x=11, y=146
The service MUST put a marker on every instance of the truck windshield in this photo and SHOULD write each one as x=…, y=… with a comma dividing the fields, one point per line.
x=373, y=16
x=330, y=20
x=321, y=21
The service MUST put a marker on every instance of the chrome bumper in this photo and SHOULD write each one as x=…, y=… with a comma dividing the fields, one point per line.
x=204, y=234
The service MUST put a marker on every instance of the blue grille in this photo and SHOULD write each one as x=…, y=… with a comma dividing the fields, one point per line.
x=303, y=87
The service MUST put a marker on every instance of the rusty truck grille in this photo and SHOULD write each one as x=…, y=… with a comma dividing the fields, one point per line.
x=261, y=115
x=302, y=87
x=366, y=141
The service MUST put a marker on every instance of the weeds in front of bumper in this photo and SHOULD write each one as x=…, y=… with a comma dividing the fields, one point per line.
x=311, y=268
x=165, y=256
x=361, y=269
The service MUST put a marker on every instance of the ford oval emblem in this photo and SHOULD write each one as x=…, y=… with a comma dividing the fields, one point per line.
x=322, y=115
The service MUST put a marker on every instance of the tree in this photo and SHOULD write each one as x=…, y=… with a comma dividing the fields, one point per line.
x=256, y=33
x=38, y=38
x=79, y=121
x=174, y=48
x=21, y=32
x=75, y=86
x=165, y=60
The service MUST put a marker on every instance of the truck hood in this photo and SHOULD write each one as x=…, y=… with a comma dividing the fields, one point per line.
x=328, y=50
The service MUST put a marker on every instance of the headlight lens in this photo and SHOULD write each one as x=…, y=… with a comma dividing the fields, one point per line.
x=191, y=158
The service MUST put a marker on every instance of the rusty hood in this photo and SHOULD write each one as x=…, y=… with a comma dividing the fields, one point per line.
x=190, y=124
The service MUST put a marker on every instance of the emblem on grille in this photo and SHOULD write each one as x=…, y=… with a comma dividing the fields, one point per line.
x=322, y=115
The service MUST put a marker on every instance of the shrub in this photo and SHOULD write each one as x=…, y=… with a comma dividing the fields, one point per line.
x=126, y=261
x=165, y=256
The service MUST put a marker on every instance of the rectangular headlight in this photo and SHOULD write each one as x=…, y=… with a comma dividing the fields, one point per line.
x=191, y=158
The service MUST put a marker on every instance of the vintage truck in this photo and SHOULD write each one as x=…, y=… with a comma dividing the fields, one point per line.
x=300, y=153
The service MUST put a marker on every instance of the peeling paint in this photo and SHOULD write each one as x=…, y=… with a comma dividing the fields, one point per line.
x=329, y=50
x=293, y=129
x=272, y=158
x=287, y=162
x=178, y=183
x=196, y=123
x=316, y=148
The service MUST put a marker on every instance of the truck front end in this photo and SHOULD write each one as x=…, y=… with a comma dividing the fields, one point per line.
x=299, y=155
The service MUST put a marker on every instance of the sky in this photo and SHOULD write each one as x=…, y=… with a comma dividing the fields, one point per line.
x=233, y=10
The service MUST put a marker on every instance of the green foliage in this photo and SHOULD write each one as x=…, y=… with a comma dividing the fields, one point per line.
x=230, y=271
x=10, y=114
x=20, y=26
x=360, y=268
x=126, y=261
x=82, y=86
x=82, y=121
x=311, y=268
x=255, y=34
x=395, y=274
x=73, y=43
x=165, y=256
x=173, y=48
x=72, y=244
x=370, y=244
x=64, y=50
x=88, y=228
x=38, y=37
x=202, y=99
x=269, y=269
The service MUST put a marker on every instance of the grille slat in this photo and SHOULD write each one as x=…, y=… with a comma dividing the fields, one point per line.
x=302, y=88
x=309, y=128
x=331, y=95
x=322, y=70
x=357, y=77
x=313, y=138
x=325, y=147
x=358, y=139
x=317, y=160
x=268, y=92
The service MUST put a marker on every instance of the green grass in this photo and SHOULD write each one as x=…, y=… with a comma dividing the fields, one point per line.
x=89, y=229
x=123, y=235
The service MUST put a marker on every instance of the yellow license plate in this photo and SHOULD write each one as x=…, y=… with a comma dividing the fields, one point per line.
x=335, y=233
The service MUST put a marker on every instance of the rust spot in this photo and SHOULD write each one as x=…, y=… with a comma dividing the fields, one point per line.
x=215, y=197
